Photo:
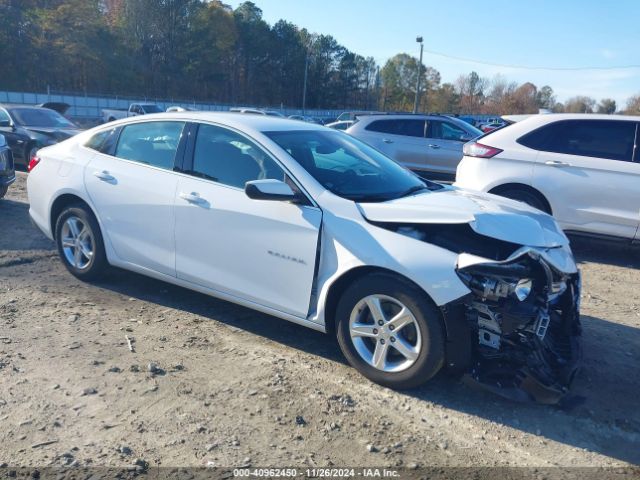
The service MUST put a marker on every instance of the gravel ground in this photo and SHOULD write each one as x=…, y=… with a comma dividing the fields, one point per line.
x=211, y=383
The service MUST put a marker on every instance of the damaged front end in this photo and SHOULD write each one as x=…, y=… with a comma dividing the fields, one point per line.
x=523, y=315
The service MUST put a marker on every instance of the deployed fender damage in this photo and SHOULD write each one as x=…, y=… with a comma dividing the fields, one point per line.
x=517, y=332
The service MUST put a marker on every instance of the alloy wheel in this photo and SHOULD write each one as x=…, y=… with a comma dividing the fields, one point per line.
x=78, y=243
x=385, y=333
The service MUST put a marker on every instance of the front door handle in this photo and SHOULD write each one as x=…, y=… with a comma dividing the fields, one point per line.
x=192, y=197
x=386, y=140
x=434, y=146
x=105, y=176
x=557, y=163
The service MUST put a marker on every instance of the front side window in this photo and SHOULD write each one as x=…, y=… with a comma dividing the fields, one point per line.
x=40, y=117
x=446, y=131
x=151, y=143
x=348, y=167
x=589, y=138
x=229, y=158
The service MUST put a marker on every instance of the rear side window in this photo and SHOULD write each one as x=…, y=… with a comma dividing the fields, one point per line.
x=408, y=128
x=104, y=141
x=151, y=143
x=229, y=158
x=589, y=138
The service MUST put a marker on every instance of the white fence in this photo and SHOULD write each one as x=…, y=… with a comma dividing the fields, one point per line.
x=90, y=106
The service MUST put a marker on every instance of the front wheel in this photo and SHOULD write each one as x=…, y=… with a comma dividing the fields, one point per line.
x=390, y=331
x=80, y=243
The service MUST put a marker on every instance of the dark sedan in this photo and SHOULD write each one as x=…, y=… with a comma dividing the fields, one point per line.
x=28, y=128
x=7, y=173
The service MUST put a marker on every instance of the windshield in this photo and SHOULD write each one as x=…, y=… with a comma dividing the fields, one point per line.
x=40, y=117
x=151, y=108
x=348, y=167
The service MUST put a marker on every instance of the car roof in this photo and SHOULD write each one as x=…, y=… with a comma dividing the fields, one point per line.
x=257, y=123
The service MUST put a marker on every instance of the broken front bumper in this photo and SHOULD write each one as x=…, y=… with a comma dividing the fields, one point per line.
x=517, y=333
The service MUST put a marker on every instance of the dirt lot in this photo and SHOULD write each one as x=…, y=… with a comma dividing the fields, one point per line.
x=234, y=387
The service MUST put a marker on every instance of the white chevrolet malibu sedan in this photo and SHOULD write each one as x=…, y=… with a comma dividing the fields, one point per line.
x=313, y=226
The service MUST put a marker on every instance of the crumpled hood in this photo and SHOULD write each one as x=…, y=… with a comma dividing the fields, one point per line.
x=486, y=214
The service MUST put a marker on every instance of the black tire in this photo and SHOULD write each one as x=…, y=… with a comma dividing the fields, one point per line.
x=428, y=320
x=97, y=264
x=3, y=191
x=526, y=196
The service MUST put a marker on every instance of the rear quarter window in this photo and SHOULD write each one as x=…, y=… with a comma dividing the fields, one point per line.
x=610, y=139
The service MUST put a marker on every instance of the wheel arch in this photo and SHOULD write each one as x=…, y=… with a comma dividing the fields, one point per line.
x=522, y=186
x=63, y=201
x=339, y=284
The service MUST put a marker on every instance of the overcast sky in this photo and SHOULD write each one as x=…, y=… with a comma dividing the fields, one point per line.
x=534, y=33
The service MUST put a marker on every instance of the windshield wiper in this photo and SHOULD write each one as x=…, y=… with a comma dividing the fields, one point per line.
x=414, y=189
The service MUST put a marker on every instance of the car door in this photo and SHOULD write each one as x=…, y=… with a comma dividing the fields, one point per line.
x=402, y=139
x=259, y=251
x=586, y=172
x=132, y=185
x=445, y=141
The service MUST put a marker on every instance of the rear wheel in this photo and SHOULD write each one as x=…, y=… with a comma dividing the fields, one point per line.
x=531, y=198
x=80, y=243
x=390, y=331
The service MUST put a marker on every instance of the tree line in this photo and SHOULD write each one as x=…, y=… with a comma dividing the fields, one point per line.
x=207, y=51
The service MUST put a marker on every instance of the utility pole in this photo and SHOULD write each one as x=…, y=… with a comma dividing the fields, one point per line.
x=417, y=102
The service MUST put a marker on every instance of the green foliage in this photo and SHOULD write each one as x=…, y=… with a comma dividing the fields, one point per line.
x=205, y=50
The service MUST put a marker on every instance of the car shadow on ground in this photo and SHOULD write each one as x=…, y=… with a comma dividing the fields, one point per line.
x=620, y=254
x=21, y=233
x=606, y=422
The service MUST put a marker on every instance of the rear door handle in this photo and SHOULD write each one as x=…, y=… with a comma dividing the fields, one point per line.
x=556, y=163
x=434, y=146
x=192, y=197
x=105, y=176
x=386, y=140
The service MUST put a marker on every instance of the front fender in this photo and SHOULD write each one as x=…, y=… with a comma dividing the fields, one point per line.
x=347, y=244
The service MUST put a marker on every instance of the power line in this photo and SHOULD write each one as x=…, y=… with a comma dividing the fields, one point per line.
x=525, y=67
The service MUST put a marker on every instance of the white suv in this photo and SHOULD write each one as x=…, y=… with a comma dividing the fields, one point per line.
x=582, y=168
x=430, y=145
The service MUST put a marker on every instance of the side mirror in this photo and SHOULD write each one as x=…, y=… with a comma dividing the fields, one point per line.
x=269, y=190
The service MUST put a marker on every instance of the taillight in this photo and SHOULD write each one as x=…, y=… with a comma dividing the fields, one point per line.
x=475, y=149
x=35, y=160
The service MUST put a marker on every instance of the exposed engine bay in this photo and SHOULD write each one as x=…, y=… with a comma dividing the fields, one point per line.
x=525, y=316
x=517, y=333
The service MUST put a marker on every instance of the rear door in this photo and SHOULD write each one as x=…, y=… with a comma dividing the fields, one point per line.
x=258, y=251
x=586, y=170
x=401, y=139
x=445, y=140
x=133, y=186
